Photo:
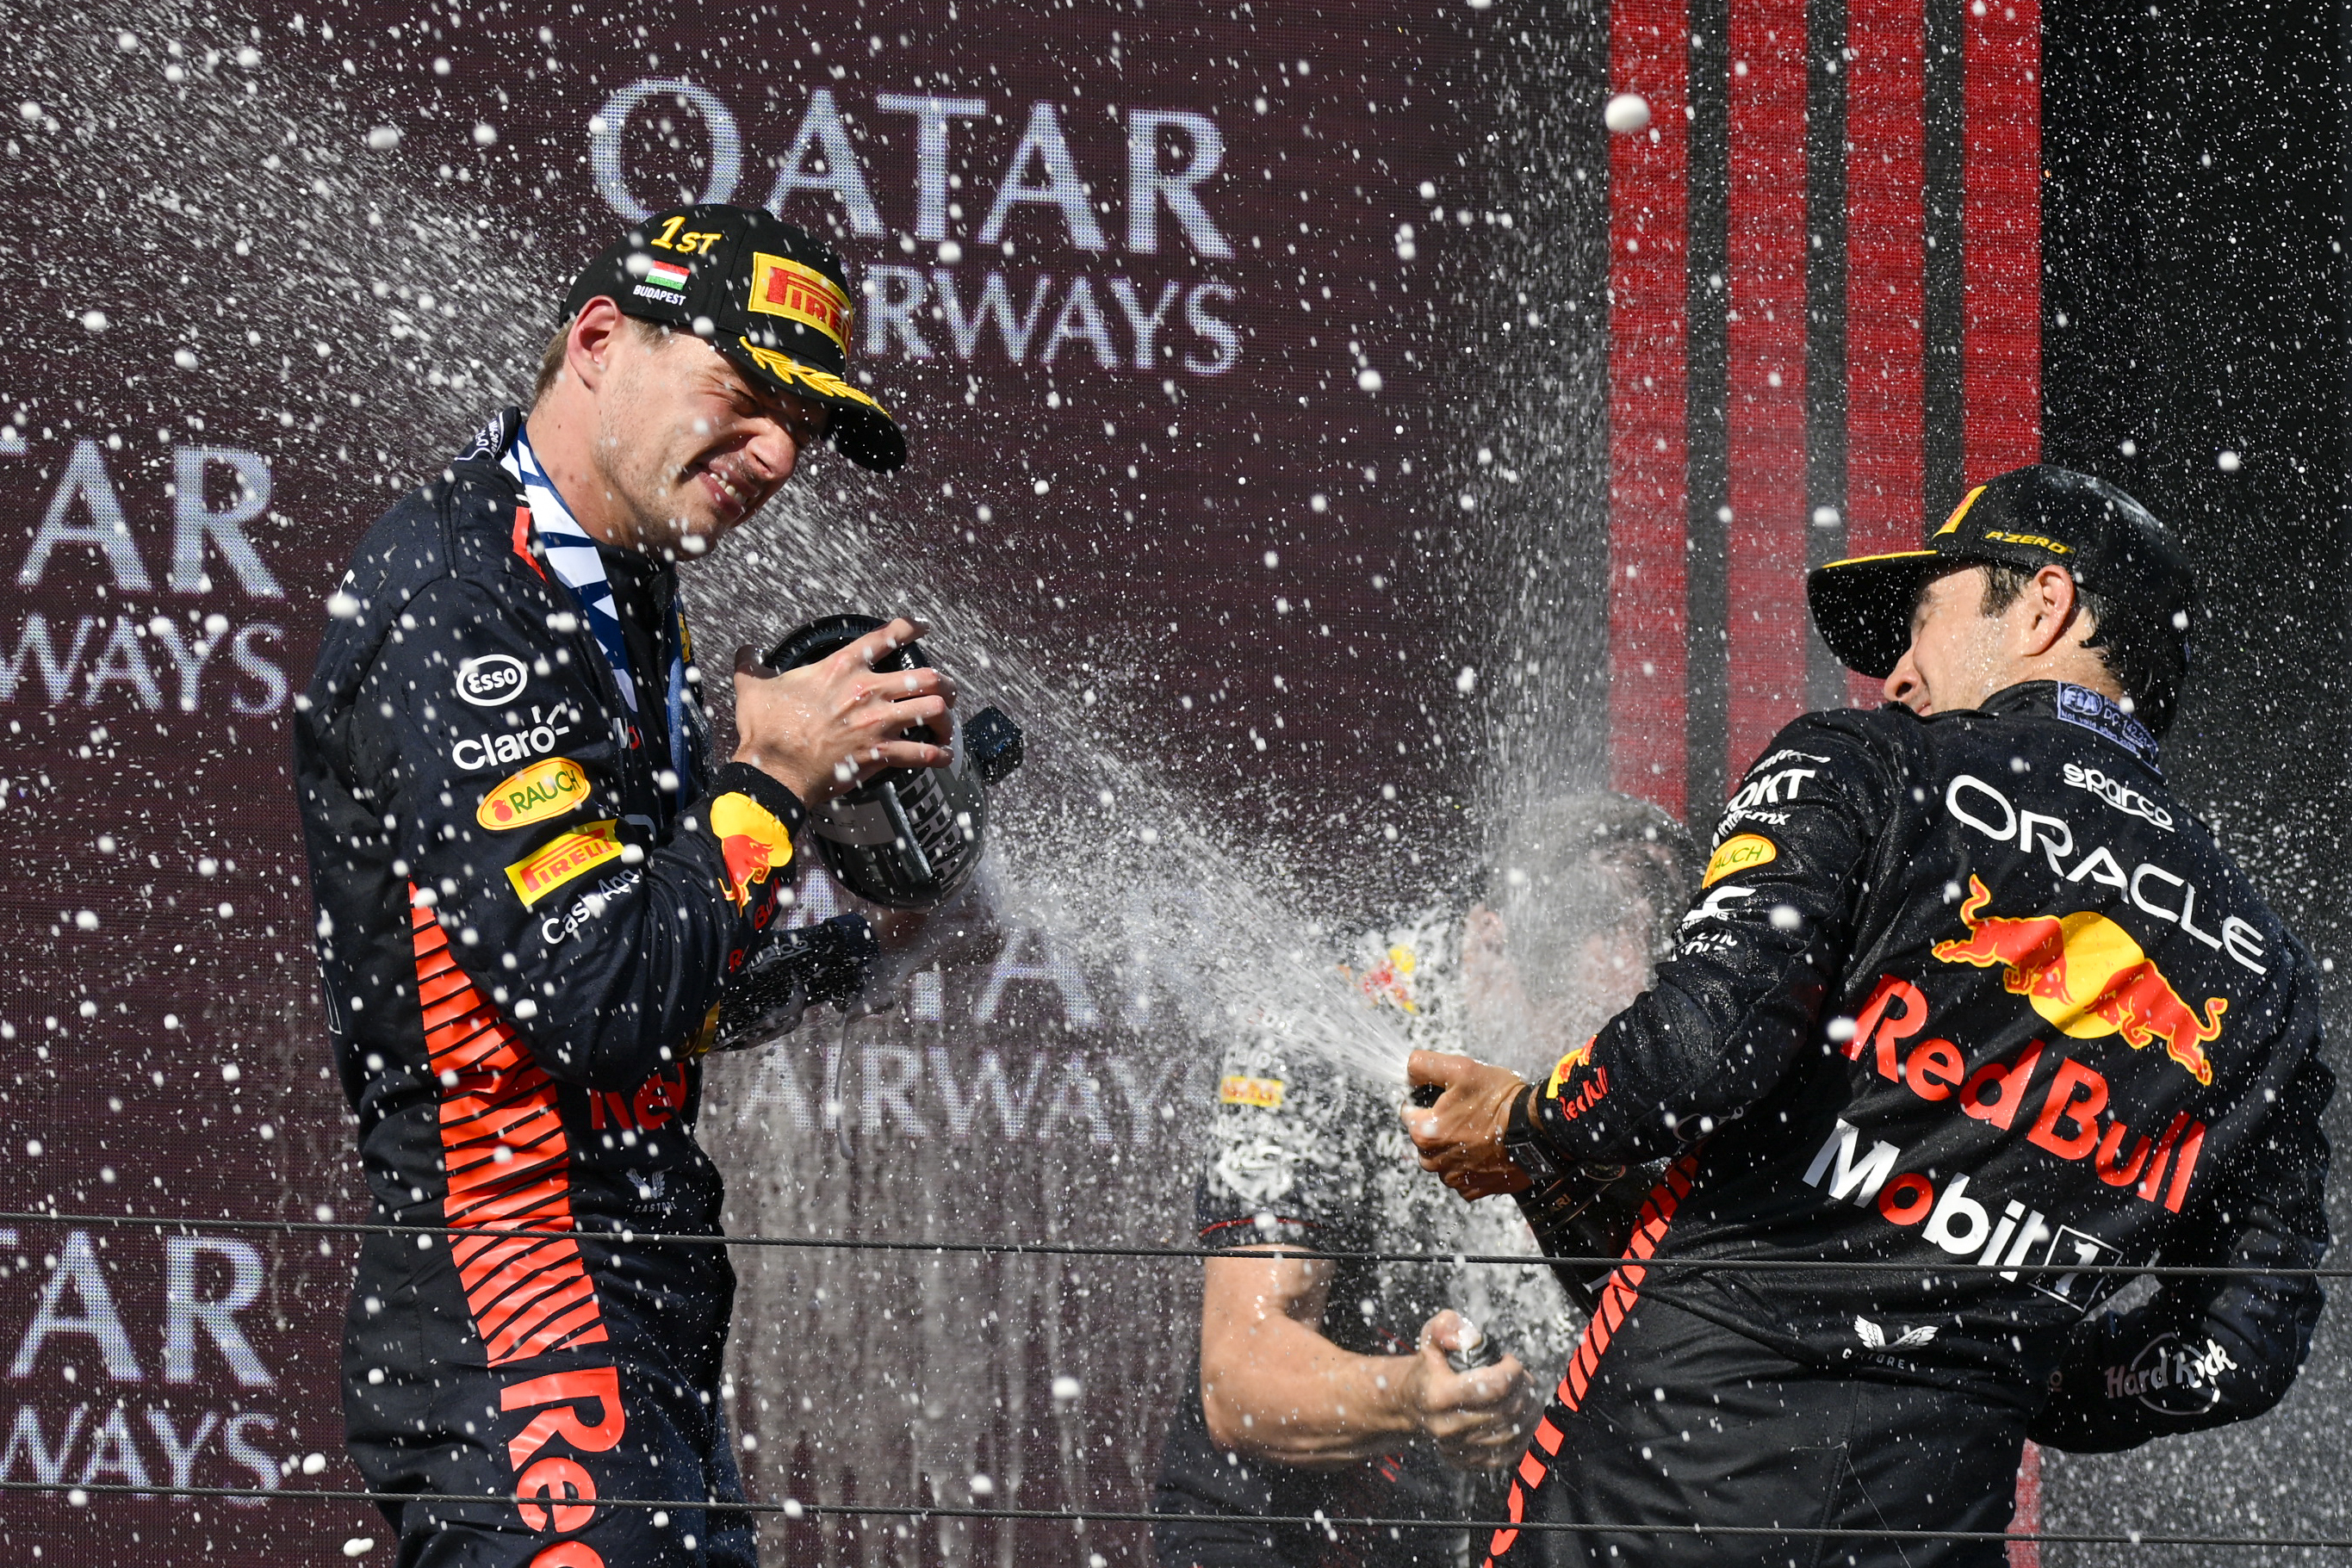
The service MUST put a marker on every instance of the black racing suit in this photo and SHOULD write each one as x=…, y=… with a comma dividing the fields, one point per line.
x=1968, y=994
x=526, y=909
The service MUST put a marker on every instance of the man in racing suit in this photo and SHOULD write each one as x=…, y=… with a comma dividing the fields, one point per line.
x=1968, y=995
x=533, y=879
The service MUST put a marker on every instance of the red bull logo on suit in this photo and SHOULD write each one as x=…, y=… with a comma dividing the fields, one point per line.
x=751, y=842
x=1580, y=1057
x=2074, y=1122
x=2085, y=975
x=1590, y=1093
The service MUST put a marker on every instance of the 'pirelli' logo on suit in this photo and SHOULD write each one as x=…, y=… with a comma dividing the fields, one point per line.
x=572, y=856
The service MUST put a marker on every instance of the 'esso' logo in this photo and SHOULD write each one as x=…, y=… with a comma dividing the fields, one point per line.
x=493, y=680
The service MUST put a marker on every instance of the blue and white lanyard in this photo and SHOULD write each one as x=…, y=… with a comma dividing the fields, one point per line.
x=572, y=553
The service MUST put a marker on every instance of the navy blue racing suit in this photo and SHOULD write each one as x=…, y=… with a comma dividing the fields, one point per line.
x=527, y=907
x=1972, y=996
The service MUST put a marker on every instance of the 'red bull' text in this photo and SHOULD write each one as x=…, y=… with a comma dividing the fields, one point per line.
x=2071, y=1122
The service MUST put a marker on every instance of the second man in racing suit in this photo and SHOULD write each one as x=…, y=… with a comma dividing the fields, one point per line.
x=1969, y=1009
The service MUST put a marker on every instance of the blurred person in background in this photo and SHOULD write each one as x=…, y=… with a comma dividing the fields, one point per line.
x=1322, y=1386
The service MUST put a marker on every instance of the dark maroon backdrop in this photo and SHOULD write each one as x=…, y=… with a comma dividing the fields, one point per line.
x=1243, y=495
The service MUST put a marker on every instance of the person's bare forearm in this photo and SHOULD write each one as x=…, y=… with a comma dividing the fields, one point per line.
x=1288, y=1394
x=1273, y=1387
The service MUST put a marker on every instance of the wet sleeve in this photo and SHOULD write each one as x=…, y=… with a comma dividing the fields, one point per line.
x=2206, y=1352
x=1278, y=1168
x=602, y=942
x=1753, y=961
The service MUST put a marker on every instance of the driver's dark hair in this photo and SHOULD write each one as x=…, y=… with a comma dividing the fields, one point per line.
x=550, y=358
x=2148, y=659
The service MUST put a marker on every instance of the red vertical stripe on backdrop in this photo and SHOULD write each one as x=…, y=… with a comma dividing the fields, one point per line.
x=1765, y=245
x=2001, y=263
x=1649, y=54
x=2026, y=1518
x=1886, y=265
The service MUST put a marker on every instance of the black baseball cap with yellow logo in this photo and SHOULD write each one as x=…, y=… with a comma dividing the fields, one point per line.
x=2028, y=518
x=769, y=296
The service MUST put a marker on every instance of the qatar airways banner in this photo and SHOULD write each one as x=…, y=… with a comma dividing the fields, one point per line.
x=1172, y=306
x=1255, y=361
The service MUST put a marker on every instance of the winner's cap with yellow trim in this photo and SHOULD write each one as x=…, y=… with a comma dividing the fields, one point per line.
x=2028, y=518
x=767, y=293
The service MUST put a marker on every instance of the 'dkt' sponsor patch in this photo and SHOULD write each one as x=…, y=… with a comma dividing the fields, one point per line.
x=568, y=858
x=546, y=789
x=1265, y=1093
x=1745, y=851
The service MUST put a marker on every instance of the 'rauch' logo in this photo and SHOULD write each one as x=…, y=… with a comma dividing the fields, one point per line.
x=1744, y=853
x=541, y=790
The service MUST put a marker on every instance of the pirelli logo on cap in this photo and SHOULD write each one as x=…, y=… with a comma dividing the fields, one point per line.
x=783, y=288
x=1265, y=1093
x=572, y=856
x=2003, y=536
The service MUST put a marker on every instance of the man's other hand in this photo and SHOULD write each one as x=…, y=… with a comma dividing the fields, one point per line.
x=1478, y=1420
x=1460, y=1136
x=911, y=939
x=827, y=728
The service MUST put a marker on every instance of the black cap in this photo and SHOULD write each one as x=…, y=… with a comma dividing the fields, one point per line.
x=2028, y=518
x=768, y=295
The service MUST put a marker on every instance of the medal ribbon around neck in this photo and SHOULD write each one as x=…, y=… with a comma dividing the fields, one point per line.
x=572, y=553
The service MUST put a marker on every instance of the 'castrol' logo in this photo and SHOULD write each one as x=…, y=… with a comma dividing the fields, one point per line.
x=491, y=680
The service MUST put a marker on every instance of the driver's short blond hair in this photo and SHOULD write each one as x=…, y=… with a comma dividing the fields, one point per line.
x=550, y=358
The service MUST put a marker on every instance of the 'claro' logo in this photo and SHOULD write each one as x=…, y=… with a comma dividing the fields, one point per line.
x=491, y=680
x=534, y=794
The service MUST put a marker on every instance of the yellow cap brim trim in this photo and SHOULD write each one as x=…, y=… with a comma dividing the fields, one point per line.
x=1890, y=555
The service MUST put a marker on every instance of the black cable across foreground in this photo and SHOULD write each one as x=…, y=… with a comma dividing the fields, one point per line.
x=1090, y=1249
x=794, y=1510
